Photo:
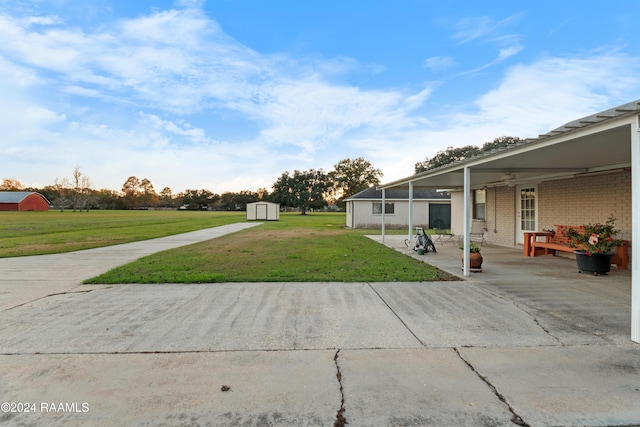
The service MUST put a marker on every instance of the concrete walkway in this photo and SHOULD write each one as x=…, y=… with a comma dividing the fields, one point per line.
x=500, y=349
x=26, y=279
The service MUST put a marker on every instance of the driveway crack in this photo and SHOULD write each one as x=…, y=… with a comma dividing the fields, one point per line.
x=525, y=311
x=516, y=419
x=340, y=421
x=396, y=314
x=69, y=292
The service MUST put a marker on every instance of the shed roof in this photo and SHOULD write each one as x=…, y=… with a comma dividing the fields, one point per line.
x=372, y=193
x=17, y=196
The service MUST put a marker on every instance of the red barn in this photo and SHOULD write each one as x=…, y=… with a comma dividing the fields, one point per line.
x=23, y=201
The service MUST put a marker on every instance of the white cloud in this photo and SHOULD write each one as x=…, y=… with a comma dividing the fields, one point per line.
x=15, y=74
x=302, y=111
x=503, y=54
x=508, y=52
x=415, y=101
x=538, y=97
x=439, y=63
x=195, y=135
x=481, y=27
x=172, y=27
x=485, y=30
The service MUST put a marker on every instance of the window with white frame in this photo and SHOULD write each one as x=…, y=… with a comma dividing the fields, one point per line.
x=479, y=204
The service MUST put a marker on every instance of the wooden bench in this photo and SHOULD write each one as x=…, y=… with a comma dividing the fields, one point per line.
x=558, y=241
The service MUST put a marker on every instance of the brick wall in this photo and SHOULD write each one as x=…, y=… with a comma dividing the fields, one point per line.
x=500, y=222
x=586, y=199
x=501, y=215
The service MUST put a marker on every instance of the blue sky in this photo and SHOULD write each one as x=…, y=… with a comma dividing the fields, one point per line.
x=226, y=95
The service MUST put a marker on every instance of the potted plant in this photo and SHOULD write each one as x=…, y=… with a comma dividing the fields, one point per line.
x=475, y=257
x=594, y=246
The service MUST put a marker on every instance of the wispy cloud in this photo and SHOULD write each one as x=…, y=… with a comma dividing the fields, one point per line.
x=486, y=30
x=503, y=54
x=481, y=27
x=439, y=63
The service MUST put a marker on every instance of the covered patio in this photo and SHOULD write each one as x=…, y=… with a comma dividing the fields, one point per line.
x=584, y=152
x=568, y=304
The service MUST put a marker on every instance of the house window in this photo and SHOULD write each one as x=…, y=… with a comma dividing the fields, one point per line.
x=479, y=204
x=388, y=208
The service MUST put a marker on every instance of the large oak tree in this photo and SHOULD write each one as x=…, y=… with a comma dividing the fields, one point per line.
x=302, y=190
x=352, y=176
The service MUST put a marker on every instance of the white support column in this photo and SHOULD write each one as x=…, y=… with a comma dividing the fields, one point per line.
x=635, y=225
x=467, y=221
x=411, y=215
x=383, y=211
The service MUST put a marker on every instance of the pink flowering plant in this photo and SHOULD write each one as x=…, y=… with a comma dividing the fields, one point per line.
x=597, y=238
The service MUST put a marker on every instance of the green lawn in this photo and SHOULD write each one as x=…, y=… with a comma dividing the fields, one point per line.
x=312, y=248
x=34, y=233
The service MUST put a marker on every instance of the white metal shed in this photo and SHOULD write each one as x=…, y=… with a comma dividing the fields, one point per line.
x=263, y=211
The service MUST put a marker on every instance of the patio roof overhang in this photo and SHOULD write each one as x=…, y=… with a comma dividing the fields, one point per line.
x=595, y=144
x=560, y=155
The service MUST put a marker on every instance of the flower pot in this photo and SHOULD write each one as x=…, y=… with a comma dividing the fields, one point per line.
x=475, y=261
x=594, y=263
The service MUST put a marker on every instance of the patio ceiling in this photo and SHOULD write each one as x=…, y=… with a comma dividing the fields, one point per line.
x=589, y=145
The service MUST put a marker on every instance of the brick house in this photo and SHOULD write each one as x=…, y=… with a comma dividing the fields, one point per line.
x=578, y=173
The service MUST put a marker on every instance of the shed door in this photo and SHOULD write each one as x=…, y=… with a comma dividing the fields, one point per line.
x=261, y=211
x=440, y=216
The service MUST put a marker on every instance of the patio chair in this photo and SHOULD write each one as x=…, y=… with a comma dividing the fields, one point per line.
x=478, y=228
x=444, y=234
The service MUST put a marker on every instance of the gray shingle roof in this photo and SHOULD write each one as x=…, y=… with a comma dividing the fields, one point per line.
x=418, y=194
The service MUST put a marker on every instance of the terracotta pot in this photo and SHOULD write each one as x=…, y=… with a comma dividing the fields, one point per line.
x=475, y=261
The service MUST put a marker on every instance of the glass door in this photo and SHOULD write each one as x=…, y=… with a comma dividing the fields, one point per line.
x=527, y=218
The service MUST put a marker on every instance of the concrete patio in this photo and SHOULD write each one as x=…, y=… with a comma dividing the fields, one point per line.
x=551, y=288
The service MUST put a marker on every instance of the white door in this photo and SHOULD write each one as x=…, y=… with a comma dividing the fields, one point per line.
x=261, y=212
x=526, y=208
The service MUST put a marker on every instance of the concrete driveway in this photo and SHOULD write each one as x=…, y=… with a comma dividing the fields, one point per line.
x=494, y=350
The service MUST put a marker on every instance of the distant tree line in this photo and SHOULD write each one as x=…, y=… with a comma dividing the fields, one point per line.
x=301, y=190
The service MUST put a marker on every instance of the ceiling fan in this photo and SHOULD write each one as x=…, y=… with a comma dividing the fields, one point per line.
x=507, y=178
